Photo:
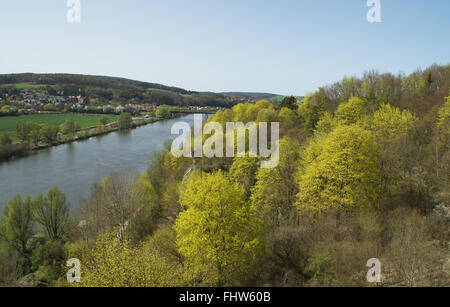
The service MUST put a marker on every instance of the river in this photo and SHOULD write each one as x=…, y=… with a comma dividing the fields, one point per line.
x=75, y=167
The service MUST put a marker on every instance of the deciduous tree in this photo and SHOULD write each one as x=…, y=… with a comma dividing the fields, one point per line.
x=339, y=172
x=217, y=233
x=273, y=195
x=51, y=212
x=16, y=227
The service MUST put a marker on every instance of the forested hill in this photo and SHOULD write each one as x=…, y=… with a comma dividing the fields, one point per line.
x=250, y=96
x=85, y=80
x=103, y=89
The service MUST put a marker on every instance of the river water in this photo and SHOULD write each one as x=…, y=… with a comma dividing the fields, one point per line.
x=75, y=167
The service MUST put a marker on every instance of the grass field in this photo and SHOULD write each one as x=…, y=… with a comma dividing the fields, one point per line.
x=9, y=123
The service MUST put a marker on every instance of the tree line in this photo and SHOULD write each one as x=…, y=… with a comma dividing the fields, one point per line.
x=31, y=134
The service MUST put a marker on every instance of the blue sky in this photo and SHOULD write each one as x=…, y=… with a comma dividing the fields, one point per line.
x=279, y=46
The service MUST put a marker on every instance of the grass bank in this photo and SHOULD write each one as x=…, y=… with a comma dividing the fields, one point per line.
x=9, y=123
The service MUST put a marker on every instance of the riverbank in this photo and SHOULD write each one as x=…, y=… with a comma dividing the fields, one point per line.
x=20, y=149
x=8, y=124
x=76, y=167
x=90, y=132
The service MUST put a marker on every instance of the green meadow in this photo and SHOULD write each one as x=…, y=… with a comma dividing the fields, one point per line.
x=9, y=123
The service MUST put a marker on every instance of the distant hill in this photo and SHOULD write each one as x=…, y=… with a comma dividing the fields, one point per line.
x=84, y=80
x=104, y=90
x=249, y=96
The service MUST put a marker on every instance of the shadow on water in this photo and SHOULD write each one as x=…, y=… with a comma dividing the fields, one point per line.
x=125, y=132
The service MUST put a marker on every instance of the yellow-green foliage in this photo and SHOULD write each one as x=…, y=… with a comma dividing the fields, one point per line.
x=243, y=171
x=222, y=117
x=444, y=116
x=251, y=113
x=325, y=124
x=217, y=233
x=264, y=104
x=76, y=249
x=312, y=108
x=339, y=172
x=144, y=191
x=115, y=263
x=239, y=112
x=304, y=105
x=274, y=193
x=262, y=111
x=390, y=122
x=414, y=84
x=267, y=116
x=288, y=118
x=164, y=242
x=351, y=112
x=163, y=111
x=16, y=224
x=144, y=196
